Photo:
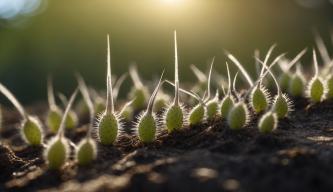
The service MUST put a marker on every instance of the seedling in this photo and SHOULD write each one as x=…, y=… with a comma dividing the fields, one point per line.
x=109, y=122
x=174, y=115
x=316, y=89
x=86, y=151
x=53, y=118
x=57, y=150
x=268, y=122
x=228, y=101
x=281, y=104
x=147, y=123
x=31, y=128
x=297, y=83
x=139, y=91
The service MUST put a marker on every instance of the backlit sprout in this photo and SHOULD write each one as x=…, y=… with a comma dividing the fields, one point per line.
x=174, y=115
x=238, y=115
x=268, y=122
x=297, y=83
x=281, y=103
x=86, y=151
x=54, y=114
x=139, y=91
x=212, y=104
x=31, y=128
x=147, y=123
x=72, y=119
x=200, y=86
x=316, y=88
x=228, y=100
x=285, y=66
x=57, y=149
x=109, y=122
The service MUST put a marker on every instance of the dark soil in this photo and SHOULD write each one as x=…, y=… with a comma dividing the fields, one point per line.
x=298, y=156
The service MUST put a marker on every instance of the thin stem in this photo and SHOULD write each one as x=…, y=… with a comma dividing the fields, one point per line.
x=296, y=59
x=176, y=101
x=199, y=74
x=109, y=99
x=64, y=117
x=268, y=69
x=135, y=76
x=322, y=48
x=229, y=78
x=315, y=63
x=50, y=93
x=14, y=101
x=153, y=96
x=118, y=84
x=241, y=68
x=209, y=78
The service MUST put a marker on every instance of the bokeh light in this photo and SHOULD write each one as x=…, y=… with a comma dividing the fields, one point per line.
x=10, y=9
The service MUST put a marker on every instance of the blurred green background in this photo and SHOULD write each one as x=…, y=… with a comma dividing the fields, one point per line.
x=60, y=37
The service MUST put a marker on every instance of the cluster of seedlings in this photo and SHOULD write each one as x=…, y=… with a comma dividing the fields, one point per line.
x=160, y=111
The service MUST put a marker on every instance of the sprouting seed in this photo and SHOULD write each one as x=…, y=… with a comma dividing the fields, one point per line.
x=86, y=151
x=228, y=100
x=285, y=66
x=57, y=150
x=268, y=122
x=109, y=124
x=72, y=119
x=31, y=128
x=316, y=89
x=281, y=104
x=238, y=116
x=174, y=115
x=213, y=107
x=54, y=114
x=297, y=83
x=147, y=123
x=139, y=91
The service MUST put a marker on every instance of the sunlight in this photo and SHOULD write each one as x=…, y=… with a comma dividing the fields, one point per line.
x=173, y=2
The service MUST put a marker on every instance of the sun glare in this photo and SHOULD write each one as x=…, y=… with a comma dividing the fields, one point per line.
x=173, y=2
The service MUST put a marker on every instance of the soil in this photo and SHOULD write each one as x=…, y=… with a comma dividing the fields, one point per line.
x=298, y=156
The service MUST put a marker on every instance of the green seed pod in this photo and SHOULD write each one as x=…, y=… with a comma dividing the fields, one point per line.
x=284, y=80
x=174, y=118
x=197, y=114
x=296, y=85
x=57, y=152
x=147, y=128
x=226, y=105
x=53, y=119
x=329, y=82
x=259, y=99
x=71, y=120
x=268, y=122
x=281, y=106
x=212, y=109
x=32, y=132
x=108, y=129
x=316, y=89
x=238, y=116
x=86, y=152
x=140, y=97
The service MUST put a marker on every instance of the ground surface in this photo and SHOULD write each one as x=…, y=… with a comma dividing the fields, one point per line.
x=297, y=157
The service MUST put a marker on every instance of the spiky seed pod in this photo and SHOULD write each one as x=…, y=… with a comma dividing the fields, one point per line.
x=296, y=85
x=281, y=106
x=316, y=89
x=238, y=116
x=174, y=115
x=259, y=99
x=212, y=108
x=329, y=82
x=57, y=152
x=53, y=119
x=86, y=152
x=147, y=128
x=174, y=118
x=268, y=122
x=32, y=132
x=197, y=114
x=226, y=105
x=31, y=129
